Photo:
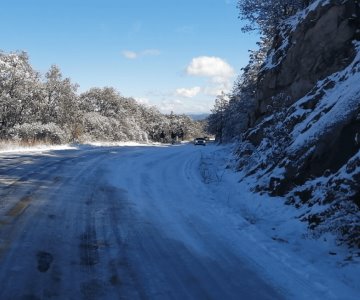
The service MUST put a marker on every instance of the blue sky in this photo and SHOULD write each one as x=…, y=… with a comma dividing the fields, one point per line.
x=176, y=55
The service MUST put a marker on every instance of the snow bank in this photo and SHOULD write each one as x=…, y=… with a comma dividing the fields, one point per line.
x=312, y=267
x=121, y=144
x=9, y=148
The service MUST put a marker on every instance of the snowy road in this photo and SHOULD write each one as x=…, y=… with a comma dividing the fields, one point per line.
x=112, y=223
x=125, y=223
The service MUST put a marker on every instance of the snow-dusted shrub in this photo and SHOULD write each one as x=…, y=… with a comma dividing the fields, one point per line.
x=101, y=128
x=98, y=127
x=37, y=132
x=131, y=128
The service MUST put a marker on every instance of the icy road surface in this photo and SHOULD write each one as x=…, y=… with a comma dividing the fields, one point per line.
x=129, y=223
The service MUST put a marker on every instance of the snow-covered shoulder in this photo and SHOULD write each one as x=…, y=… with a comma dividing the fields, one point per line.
x=276, y=240
x=12, y=148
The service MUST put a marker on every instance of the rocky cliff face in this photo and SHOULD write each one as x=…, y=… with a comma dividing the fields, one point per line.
x=321, y=44
x=305, y=142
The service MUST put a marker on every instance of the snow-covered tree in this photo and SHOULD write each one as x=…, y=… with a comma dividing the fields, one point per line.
x=48, y=109
x=106, y=101
x=265, y=16
x=19, y=91
x=216, y=121
x=184, y=127
x=124, y=114
x=60, y=103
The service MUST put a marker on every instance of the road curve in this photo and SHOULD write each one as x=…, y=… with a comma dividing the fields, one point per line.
x=118, y=223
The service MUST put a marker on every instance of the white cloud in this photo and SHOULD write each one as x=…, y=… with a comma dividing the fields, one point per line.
x=215, y=90
x=219, y=73
x=129, y=54
x=143, y=100
x=210, y=66
x=147, y=52
x=171, y=105
x=188, y=93
x=178, y=106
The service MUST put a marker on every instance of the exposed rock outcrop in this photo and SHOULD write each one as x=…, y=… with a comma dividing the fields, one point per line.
x=320, y=45
x=305, y=143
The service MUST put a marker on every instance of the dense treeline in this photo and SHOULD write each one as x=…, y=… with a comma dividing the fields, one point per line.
x=47, y=108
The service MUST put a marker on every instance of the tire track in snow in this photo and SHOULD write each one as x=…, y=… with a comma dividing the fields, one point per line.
x=123, y=224
x=175, y=254
x=58, y=209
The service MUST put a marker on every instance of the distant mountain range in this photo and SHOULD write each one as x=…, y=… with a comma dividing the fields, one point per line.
x=198, y=117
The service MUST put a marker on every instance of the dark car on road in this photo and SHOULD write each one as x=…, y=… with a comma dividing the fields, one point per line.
x=200, y=141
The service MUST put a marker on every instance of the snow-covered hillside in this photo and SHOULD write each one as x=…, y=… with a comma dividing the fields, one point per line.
x=303, y=136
